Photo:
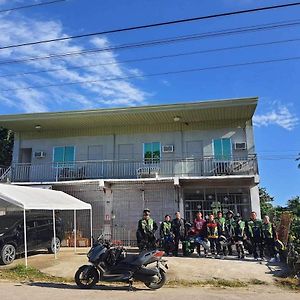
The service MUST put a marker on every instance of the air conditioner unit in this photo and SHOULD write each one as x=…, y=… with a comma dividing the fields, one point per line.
x=240, y=146
x=39, y=154
x=168, y=148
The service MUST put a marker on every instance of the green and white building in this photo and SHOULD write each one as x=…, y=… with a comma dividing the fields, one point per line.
x=186, y=157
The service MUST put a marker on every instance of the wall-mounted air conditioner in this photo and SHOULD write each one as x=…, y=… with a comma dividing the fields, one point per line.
x=39, y=154
x=240, y=146
x=168, y=148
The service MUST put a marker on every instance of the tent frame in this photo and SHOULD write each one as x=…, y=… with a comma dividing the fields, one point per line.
x=54, y=233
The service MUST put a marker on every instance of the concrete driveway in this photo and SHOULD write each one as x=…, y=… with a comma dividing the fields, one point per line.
x=179, y=267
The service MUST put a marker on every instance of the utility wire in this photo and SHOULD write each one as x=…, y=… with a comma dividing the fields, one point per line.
x=155, y=74
x=167, y=23
x=183, y=38
x=150, y=58
x=31, y=5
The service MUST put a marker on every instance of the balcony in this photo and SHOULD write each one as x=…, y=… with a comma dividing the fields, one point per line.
x=126, y=169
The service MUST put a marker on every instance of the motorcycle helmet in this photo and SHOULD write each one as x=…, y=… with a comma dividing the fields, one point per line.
x=198, y=239
x=205, y=244
x=223, y=241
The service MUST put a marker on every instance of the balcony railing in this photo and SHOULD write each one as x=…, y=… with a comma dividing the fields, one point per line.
x=125, y=169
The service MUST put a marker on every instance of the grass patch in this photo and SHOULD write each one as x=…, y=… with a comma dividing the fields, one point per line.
x=21, y=273
x=289, y=282
x=221, y=283
x=255, y=281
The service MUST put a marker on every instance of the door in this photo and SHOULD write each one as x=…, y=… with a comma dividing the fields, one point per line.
x=126, y=166
x=44, y=233
x=23, y=170
x=194, y=155
x=31, y=236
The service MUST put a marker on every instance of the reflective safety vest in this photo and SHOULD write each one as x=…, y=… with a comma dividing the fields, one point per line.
x=212, y=230
x=267, y=230
x=221, y=222
x=239, y=228
x=255, y=228
x=147, y=225
x=166, y=226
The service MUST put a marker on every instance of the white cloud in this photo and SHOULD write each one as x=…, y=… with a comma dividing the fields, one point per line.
x=18, y=29
x=280, y=116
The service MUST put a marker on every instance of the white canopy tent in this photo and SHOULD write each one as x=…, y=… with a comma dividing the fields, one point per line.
x=28, y=198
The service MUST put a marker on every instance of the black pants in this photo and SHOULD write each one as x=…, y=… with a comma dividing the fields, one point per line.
x=177, y=238
x=257, y=244
x=239, y=247
x=214, y=246
x=269, y=244
x=168, y=244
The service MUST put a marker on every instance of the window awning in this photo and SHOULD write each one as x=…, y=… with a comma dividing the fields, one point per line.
x=39, y=199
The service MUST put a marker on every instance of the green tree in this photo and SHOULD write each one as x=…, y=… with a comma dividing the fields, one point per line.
x=293, y=205
x=266, y=200
x=6, y=146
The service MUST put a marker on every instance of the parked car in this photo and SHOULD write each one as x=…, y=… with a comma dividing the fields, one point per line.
x=39, y=235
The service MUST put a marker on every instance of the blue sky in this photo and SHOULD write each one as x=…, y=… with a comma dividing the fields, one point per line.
x=277, y=84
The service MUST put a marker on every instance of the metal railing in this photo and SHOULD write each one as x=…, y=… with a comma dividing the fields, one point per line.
x=5, y=174
x=125, y=169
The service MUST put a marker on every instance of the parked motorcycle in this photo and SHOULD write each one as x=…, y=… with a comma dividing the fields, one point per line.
x=113, y=264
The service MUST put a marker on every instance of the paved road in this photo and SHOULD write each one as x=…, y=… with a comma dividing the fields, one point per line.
x=44, y=291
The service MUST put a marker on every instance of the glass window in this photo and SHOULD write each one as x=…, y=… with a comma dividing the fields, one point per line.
x=64, y=154
x=222, y=149
x=151, y=152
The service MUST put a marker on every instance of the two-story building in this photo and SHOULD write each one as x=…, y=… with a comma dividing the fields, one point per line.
x=186, y=157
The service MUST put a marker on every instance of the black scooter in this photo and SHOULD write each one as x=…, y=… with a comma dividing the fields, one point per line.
x=113, y=264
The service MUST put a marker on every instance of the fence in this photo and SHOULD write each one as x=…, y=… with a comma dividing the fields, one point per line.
x=205, y=166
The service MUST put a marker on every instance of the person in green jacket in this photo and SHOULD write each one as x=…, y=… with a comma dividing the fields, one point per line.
x=145, y=232
x=166, y=234
x=269, y=237
x=254, y=233
x=229, y=230
x=239, y=235
x=221, y=222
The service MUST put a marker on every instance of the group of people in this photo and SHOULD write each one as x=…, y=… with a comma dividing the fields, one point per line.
x=214, y=235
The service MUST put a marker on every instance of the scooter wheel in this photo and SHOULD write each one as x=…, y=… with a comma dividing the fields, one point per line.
x=86, y=277
x=158, y=284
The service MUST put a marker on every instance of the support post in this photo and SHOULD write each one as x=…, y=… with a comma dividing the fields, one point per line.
x=54, y=233
x=25, y=237
x=91, y=216
x=75, y=232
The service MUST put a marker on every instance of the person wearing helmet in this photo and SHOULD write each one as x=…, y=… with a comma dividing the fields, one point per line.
x=199, y=230
x=254, y=233
x=229, y=230
x=166, y=234
x=178, y=229
x=213, y=233
x=239, y=235
x=145, y=232
x=222, y=240
x=269, y=237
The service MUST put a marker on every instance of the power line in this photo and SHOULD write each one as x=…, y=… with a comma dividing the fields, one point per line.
x=31, y=5
x=155, y=74
x=167, y=23
x=151, y=58
x=238, y=30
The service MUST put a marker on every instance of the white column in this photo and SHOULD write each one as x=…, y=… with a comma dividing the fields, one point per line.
x=54, y=233
x=75, y=232
x=91, y=216
x=25, y=237
x=255, y=203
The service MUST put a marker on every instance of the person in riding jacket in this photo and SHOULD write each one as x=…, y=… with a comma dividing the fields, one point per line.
x=213, y=232
x=269, y=237
x=254, y=233
x=178, y=229
x=200, y=230
x=166, y=234
x=229, y=230
x=145, y=232
x=221, y=221
x=239, y=235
